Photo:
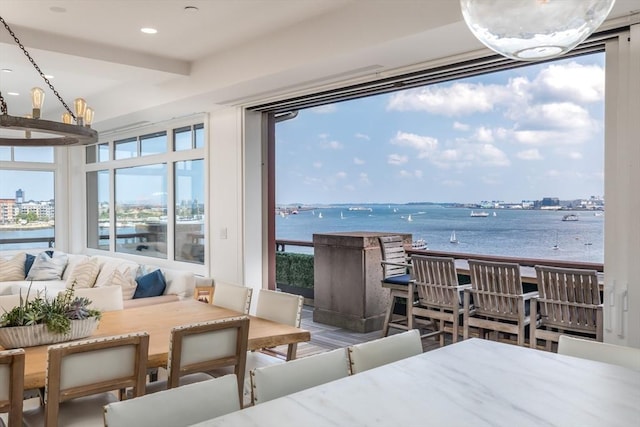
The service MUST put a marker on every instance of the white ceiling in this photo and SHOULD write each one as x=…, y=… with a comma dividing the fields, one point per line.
x=228, y=52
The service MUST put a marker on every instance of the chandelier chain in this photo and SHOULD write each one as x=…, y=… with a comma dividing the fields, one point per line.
x=46, y=80
x=3, y=105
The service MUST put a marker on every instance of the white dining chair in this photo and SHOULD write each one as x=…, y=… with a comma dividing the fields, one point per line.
x=279, y=307
x=176, y=407
x=271, y=382
x=233, y=297
x=206, y=346
x=82, y=377
x=371, y=354
x=628, y=357
x=11, y=386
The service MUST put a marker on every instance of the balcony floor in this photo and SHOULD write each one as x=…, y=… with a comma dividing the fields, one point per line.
x=327, y=337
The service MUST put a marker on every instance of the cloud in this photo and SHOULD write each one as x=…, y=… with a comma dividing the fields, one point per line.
x=317, y=165
x=362, y=136
x=410, y=174
x=483, y=134
x=358, y=161
x=572, y=82
x=490, y=155
x=452, y=183
x=423, y=144
x=460, y=126
x=456, y=99
x=341, y=175
x=324, y=109
x=350, y=187
x=574, y=155
x=331, y=145
x=532, y=154
x=556, y=115
x=397, y=159
x=364, y=178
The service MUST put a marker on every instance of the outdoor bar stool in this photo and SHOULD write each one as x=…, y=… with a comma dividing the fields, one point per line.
x=396, y=278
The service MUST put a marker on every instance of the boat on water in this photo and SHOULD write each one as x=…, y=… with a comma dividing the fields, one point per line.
x=570, y=217
x=409, y=218
x=453, y=238
x=320, y=215
x=419, y=244
x=495, y=214
x=341, y=215
x=475, y=214
x=360, y=208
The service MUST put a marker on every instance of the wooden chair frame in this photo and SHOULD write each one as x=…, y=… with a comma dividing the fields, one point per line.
x=395, y=262
x=13, y=404
x=498, y=299
x=265, y=313
x=57, y=354
x=436, y=282
x=178, y=335
x=569, y=301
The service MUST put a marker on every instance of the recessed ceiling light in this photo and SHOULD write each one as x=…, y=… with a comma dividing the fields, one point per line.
x=13, y=93
x=6, y=70
x=149, y=30
x=191, y=9
x=57, y=9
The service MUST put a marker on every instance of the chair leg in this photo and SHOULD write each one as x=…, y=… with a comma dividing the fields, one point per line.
x=387, y=317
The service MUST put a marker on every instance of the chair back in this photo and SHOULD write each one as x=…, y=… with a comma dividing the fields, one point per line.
x=569, y=299
x=497, y=289
x=105, y=298
x=436, y=281
x=280, y=307
x=394, y=256
x=12, y=385
x=628, y=357
x=177, y=407
x=233, y=297
x=7, y=302
x=207, y=346
x=87, y=367
x=385, y=350
x=271, y=382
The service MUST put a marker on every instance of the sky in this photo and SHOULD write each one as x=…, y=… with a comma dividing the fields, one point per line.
x=522, y=134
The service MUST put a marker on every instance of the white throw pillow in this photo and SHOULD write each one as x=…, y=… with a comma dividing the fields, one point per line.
x=124, y=280
x=13, y=268
x=48, y=267
x=84, y=274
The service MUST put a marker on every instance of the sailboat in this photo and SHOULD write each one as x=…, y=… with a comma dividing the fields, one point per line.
x=453, y=238
x=320, y=215
x=409, y=218
x=494, y=214
x=341, y=215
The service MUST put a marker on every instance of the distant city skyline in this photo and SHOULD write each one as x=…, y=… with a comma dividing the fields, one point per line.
x=522, y=134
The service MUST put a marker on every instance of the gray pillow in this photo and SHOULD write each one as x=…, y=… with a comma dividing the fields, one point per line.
x=48, y=266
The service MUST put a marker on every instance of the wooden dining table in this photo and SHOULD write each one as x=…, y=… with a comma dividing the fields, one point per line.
x=474, y=382
x=158, y=320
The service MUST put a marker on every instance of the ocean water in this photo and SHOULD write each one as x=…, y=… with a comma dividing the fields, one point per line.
x=511, y=232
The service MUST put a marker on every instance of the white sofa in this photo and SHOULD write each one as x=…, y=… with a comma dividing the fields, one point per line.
x=179, y=284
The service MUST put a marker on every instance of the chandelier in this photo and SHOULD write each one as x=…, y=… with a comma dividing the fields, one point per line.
x=531, y=30
x=55, y=133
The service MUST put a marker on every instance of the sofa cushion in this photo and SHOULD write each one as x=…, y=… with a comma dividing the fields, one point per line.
x=109, y=265
x=106, y=298
x=48, y=267
x=150, y=285
x=84, y=274
x=179, y=282
x=13, y=268
x=28, y=263
x=72, y=262
x=123, y=280
x=45, y=288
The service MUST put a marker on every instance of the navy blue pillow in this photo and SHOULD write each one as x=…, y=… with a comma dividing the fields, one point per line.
x=28, y=263
x=150, y=285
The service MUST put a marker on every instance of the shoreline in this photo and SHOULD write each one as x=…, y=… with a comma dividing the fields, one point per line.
x=27, y=227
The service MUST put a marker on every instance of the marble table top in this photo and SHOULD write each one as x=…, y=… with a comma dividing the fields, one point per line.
x=474, y=382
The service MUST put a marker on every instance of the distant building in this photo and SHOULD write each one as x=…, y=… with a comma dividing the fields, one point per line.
x=7, y=211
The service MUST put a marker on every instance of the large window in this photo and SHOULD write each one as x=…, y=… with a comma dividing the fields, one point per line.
x=27, y=198
x=155, y=183
x=518, y=148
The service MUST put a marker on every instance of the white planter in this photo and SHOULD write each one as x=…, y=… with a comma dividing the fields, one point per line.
x=34, y=335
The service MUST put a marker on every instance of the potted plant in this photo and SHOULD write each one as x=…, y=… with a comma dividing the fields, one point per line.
x=41, y=320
